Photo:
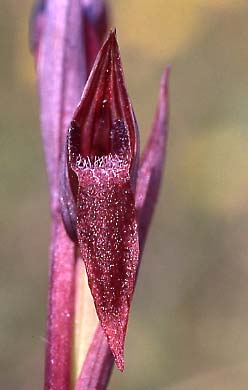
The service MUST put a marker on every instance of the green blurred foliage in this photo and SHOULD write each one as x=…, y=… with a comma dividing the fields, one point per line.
x=189, y=315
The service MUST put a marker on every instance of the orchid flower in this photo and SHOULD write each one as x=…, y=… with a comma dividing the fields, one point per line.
x=102, y=195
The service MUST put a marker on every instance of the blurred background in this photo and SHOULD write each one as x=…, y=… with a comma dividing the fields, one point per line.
x=189, y=320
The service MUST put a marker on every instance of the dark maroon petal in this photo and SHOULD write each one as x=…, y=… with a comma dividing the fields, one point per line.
x=104, y=101
x=152, y=162
x=102, y=148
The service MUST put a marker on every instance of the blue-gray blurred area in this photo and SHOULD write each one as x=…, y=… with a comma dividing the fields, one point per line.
x=189, y=319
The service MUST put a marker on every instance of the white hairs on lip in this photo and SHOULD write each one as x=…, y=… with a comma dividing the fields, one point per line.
x=108, y=161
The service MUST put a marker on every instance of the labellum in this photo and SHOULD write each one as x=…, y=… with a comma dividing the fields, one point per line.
x=98, y=184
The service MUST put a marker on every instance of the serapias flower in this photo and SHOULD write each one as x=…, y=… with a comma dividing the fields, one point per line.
x=97, y=366
x=102, y=197
x=102, y=149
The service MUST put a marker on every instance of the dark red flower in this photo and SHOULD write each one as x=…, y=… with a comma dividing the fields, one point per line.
x=102, y=197
x=103, y=153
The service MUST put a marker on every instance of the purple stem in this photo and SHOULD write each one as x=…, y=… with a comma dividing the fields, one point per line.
x=60, y=309
x=61, y=75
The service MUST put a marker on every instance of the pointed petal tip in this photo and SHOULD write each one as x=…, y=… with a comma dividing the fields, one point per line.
x=111, y=38
x=118, y=353
x=108, y=45
x=120, y=364
x=165, y=79
x=115, y=333
x=114, y=32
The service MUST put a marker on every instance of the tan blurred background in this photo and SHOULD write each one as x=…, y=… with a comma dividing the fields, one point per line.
x=188, y=327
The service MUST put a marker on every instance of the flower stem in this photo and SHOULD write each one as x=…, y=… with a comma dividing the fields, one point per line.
x=60, y=309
